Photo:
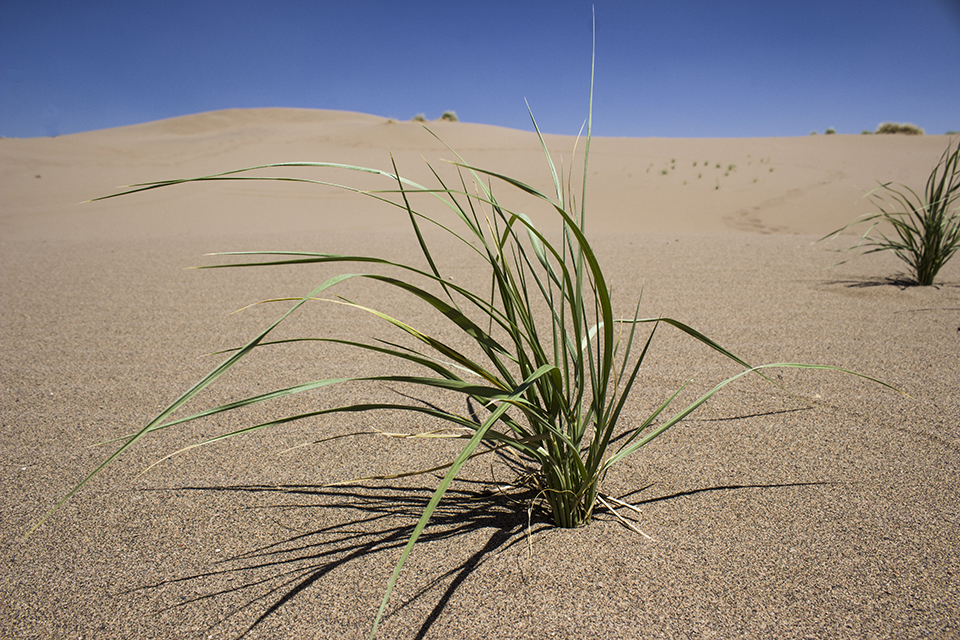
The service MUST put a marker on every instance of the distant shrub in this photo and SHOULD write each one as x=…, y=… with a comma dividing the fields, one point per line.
x=897, y=127
x=830, y=131
x=813, y=133
x=866, y=133
x=419, y=118
x=450, y=116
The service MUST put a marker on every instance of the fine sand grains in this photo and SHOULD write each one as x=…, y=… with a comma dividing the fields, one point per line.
x=770, y=517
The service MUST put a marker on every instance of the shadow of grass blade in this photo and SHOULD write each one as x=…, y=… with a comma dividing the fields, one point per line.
x=455, y=467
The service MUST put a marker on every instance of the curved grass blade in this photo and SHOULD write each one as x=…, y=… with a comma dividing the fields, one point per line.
x=445, y=484
x=186, y=397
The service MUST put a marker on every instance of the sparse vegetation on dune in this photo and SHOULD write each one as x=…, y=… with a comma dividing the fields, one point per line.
x=897, y=127
x=927, y=228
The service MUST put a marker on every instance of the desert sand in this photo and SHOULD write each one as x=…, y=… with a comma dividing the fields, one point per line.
x=764, y=515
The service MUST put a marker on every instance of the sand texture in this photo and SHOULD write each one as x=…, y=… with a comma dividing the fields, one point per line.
x=767, y=517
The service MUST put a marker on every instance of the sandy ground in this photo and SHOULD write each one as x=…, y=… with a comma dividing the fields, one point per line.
x=766, y=516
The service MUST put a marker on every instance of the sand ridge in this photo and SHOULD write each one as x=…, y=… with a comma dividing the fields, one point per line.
x=807, y=185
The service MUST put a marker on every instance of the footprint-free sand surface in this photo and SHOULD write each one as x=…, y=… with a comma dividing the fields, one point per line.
x=765, y=516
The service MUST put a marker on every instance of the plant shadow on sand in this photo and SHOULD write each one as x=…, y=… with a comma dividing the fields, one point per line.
x=373, y=520
x=900, y=281
x=369, y=520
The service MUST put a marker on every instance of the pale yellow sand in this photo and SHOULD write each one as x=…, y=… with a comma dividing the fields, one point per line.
x=770, y=518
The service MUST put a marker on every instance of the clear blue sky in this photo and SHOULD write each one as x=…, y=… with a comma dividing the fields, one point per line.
x=684, y=68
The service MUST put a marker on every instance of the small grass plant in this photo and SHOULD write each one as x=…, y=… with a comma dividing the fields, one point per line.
x=555, y=364
x=926, y=229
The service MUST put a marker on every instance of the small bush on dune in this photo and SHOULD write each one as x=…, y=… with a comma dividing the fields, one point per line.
x=419, y=118
x=927, y=228
x=450, y=116
x=896, y=127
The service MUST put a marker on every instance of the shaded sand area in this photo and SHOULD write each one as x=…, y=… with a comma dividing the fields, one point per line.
x=767, y=516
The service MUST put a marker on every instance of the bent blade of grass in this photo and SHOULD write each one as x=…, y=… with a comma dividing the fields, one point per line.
x=187, y=396
x=599, y=376
x=627, y=450
x=454, y=469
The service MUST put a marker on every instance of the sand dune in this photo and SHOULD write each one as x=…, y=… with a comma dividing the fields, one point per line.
x=769, y=517
x=808, y=185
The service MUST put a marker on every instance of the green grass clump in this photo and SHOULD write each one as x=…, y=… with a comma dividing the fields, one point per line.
x=550, y=364
x=419, y=118
x=897, y=127
x=927, y=228
x=450, y=116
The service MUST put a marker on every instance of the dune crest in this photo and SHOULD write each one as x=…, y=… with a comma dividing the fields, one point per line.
x=801, y=185
x=230, y=119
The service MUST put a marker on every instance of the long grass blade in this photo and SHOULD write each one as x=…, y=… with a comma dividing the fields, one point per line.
x=445, y=484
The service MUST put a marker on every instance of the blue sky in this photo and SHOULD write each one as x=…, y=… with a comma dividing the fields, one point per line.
x=684, y=68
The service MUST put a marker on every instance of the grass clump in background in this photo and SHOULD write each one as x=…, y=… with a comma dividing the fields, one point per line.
x=552, y=365
x=450, y=116
x=927, y=228
x=897, y=127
